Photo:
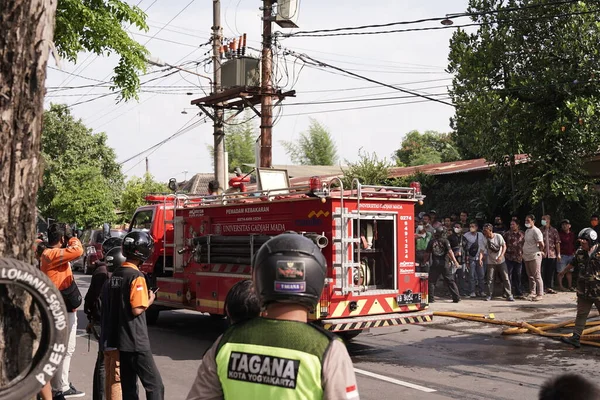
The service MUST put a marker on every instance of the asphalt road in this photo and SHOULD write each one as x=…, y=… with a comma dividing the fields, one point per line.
x=446, y=359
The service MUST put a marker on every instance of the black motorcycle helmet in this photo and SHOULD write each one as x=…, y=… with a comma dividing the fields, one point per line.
x=439, y=232
x=110, y=243
x=289, y=268
x=137, y=245
x=114, y=258
x=589, y=235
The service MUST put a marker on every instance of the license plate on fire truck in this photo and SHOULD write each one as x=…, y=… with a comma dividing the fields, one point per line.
x=408, y=298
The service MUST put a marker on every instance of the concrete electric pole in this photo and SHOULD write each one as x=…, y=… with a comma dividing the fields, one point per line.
x=219, y=134
x=266, y=103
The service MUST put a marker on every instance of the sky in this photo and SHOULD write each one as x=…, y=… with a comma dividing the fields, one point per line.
x=412, y=60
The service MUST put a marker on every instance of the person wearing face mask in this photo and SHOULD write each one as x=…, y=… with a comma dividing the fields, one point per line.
x=587, y=264
x=514, y=239
x=427, y=224
x=422, y=238
x=551, y=253
x=475, y=246
x=532, y=255
x=459, y=247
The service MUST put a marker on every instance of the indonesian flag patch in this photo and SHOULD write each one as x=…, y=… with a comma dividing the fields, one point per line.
x=351, y=392
x=139, y=287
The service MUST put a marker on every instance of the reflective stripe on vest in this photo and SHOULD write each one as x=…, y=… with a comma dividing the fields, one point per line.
x=250, y=371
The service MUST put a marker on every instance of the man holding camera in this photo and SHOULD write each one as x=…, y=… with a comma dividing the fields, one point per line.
x=55, y=262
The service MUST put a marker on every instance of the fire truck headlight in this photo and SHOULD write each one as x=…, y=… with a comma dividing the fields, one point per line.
x=353, y=306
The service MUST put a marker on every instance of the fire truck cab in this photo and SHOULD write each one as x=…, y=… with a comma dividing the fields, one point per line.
x=365, y=232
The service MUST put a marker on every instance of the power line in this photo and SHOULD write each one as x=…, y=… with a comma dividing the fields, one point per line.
x=435, y=19
x=354, y=100
x=167, y=24
x=96, y=56
x=164, y=40
x=435, y=28
x=302, y=56
x=355, y=108
x=375, y=86
x=184, y=129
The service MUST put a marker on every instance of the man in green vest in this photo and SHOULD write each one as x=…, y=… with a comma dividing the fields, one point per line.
x=279, y=356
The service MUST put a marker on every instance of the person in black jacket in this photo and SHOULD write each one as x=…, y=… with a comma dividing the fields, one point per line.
x=92, y=308
x=129, y=298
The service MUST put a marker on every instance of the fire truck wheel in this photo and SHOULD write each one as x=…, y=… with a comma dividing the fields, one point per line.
x=152, y=314
x=34, y=373
x=348, y=335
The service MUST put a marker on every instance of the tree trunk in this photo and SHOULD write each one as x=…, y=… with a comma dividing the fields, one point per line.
x=27, y=28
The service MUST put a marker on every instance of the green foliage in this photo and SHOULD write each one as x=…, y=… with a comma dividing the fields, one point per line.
x=98, y=26
x=315, y=147
x=240, y=139
x=71, y=152
x=369, y=170
x=430, y=147
x=84, y=197
x=135, y=190
x=525, y=83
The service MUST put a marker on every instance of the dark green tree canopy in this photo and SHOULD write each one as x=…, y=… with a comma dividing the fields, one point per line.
x=429, y=147
x=77, y=162
x=100, y=27
x=135, y=190
x=314, y=147
x=527, y=82
x=369, y=169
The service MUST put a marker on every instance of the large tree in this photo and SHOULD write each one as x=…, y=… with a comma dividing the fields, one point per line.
x=314, y=147
x=526, y=81
x=240, y=139
x=135, y=190
x=80, y=166
x=27, y=36
x=429, y=147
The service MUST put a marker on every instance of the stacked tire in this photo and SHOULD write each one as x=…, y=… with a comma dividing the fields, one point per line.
x=19, y=277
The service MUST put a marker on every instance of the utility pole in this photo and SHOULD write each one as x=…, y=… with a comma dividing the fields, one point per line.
x=266, y=101
x=147, y=166
x=219, y=134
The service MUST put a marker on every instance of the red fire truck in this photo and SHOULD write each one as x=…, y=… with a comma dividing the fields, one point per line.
x=365, y=232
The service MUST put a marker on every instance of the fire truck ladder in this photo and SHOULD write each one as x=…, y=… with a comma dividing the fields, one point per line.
x=347, y=265
x=177, y=197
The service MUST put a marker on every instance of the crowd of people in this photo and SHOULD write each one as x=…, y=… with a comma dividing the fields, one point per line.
x=269, y=350
x=471, y=255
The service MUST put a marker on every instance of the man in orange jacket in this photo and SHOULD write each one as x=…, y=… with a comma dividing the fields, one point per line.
x=55, y=262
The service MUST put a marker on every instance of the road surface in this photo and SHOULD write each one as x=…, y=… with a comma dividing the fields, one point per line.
x=446, y=359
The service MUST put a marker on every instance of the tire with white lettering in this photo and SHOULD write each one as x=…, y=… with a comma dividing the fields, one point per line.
x=53, y=319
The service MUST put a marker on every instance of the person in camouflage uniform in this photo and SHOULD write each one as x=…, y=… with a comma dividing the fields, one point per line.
x=587, y=263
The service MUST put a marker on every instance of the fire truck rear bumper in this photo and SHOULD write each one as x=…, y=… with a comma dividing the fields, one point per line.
x=376, y=321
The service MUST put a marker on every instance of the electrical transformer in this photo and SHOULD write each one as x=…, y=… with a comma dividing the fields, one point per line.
x=242, y=71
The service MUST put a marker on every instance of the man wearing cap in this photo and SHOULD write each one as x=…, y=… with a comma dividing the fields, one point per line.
x=279, y=356
x=567, y=252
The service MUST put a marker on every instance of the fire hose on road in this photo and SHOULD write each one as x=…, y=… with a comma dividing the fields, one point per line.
x=541, y=329
x=33, y=330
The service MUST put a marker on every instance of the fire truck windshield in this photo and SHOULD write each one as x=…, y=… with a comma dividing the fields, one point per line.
x=142, y=221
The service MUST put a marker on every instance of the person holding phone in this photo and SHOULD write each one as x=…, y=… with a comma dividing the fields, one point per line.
x=129, y=298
